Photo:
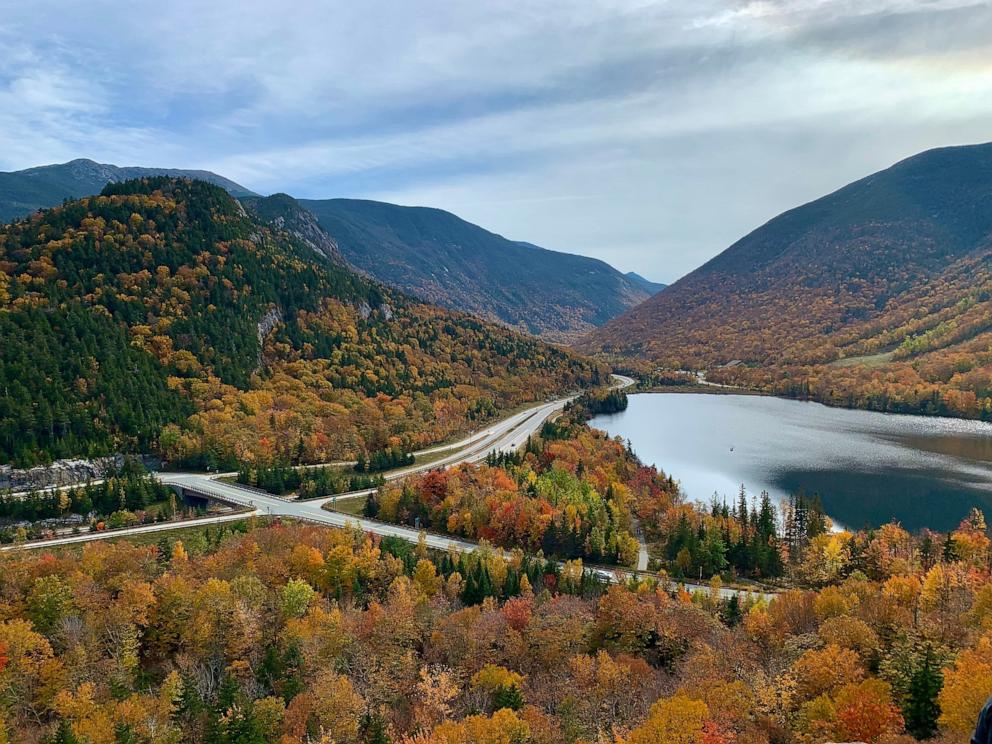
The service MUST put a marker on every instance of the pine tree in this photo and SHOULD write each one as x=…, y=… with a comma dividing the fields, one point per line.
x=374, y=729
x=508, y=696
x=950, y=550
x=64, y=735
x=731, y=614
x=922, y=709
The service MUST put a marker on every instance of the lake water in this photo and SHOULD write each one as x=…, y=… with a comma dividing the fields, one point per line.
x=867, y=467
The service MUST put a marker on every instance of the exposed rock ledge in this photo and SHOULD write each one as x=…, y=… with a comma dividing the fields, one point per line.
x=60, y=473
x=365, y=310
x=268, y=323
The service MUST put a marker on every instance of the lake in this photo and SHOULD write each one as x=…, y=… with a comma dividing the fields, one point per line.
x=867, y=467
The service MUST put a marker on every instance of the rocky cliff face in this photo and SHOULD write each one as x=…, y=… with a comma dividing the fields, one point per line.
x=283, y=212
x=60, y=473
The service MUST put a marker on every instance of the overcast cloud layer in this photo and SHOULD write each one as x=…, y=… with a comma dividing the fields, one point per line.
x=651, y=135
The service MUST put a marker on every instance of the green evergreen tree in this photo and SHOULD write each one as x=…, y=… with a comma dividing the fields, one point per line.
x=922, y=710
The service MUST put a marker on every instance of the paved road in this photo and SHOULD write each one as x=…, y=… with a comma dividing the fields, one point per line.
x=642, y=551
x=505, y=436
x=109, y=534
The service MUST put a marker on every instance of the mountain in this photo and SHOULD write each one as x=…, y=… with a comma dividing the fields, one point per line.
x=283, y=212
x=443, y=259
x=160, y=316
x=26, y=191
x=878, y=295
x=646, y=284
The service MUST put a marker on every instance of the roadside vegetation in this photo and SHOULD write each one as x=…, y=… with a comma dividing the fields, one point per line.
x=569, y=493
x=126, y=497
x=307, y=483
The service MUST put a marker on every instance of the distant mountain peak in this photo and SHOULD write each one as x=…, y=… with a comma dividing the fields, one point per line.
x=648, y=285
x=283, y=212
x=26, y=191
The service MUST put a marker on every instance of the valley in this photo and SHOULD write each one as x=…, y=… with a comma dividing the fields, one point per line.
x=876, y=296
x=496, y=373
x=224, y=336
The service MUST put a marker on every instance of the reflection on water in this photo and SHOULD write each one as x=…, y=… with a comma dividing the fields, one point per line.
x=868, y=467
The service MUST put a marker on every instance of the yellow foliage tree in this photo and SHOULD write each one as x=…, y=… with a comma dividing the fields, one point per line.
x=967, y=686
x=675, y=720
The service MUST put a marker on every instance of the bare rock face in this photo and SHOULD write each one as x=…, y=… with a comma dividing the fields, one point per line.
x=283, y=212
x=60, y=473
x=265, y=326
x=365, y=310
x=268, y=323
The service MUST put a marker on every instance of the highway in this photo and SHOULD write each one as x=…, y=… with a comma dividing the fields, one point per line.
x=505, y=436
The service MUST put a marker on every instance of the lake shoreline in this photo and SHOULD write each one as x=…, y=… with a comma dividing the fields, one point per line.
x=869, y=467
x=715, y=389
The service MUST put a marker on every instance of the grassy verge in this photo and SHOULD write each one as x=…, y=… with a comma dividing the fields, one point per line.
x=354, y=507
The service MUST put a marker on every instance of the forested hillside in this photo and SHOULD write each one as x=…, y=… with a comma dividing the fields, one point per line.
x=878, y=295
x=26, y=191
x=249, y=633
x=443, y=259
x=648, y=285
x=292, y=633
x=159, y=316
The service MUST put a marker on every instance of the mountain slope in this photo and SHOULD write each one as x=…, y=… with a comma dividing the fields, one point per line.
x=161, y=317
x=648, y=285
x=26, y=191
x=283, y=212
x=443, y=259
x=877, y=295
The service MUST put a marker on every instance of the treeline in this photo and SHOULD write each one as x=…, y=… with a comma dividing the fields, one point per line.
x=596, y=402
x=309, y=483
x=384, y=459
x=485, y=579
x=667, y=378
x=927, y=389
x=744, y=538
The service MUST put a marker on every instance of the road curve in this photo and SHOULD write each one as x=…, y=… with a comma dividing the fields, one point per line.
x=505, y=436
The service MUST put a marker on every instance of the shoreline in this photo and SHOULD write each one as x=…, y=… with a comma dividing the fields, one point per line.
x=720, y=390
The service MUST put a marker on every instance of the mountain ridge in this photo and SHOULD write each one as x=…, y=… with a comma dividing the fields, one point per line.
x=861, y=297
x=462, y=266
x=25, y=191
x=648, y=285
x=439, y=257
x=283, y=212
x=160, y=316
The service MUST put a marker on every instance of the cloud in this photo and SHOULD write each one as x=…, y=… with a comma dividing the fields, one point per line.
x=650, y=134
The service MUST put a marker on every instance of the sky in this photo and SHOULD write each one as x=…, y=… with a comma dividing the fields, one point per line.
x=651, y=135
